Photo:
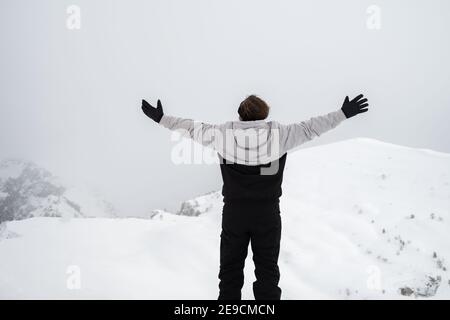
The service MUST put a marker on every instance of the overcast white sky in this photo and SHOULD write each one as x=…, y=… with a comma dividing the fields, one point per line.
x=70, y=99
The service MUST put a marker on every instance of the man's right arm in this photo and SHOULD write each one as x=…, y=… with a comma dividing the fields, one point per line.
x=206, y=134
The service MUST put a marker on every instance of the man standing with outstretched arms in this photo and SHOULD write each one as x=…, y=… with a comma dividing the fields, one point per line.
x=252, y=153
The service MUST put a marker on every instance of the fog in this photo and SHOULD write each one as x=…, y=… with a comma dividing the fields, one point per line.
x=70, y=98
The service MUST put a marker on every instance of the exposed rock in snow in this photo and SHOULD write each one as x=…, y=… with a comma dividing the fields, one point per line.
x=427, y=289
x=27, y=190
x=200, y=205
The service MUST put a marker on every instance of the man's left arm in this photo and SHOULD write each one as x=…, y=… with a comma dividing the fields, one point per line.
x=295, y=134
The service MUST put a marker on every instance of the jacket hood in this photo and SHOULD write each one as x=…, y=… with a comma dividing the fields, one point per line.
x=250, y=142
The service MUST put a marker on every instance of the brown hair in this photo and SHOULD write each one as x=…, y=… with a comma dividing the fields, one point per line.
x=253, y=108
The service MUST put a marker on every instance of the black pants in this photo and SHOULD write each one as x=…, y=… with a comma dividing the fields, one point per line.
x=259, y=224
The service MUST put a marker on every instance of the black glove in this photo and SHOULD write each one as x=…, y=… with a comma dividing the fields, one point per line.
x=357, y=105
x=153, y=113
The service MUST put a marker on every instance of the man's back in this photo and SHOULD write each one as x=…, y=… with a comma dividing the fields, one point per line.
x=247, y=183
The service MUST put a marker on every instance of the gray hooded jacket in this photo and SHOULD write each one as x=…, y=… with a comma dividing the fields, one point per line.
x=253, y=142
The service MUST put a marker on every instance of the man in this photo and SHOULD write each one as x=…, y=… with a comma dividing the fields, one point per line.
x=253, y=154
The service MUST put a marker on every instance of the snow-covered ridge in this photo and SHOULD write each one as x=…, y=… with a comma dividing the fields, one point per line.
x=362, y=219
x=200, y=205
x=384, y=144
x=27, y=190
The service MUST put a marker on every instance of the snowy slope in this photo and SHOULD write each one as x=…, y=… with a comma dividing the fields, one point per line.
x=27, y=190
x=362, y=219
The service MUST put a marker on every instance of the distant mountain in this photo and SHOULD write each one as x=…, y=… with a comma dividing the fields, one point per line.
x=362, y=219
x=201, y=204
x=27, y=190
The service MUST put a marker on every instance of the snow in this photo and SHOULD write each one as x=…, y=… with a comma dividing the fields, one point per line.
x=91, y=205
x=362, y=219
x=11, y=168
